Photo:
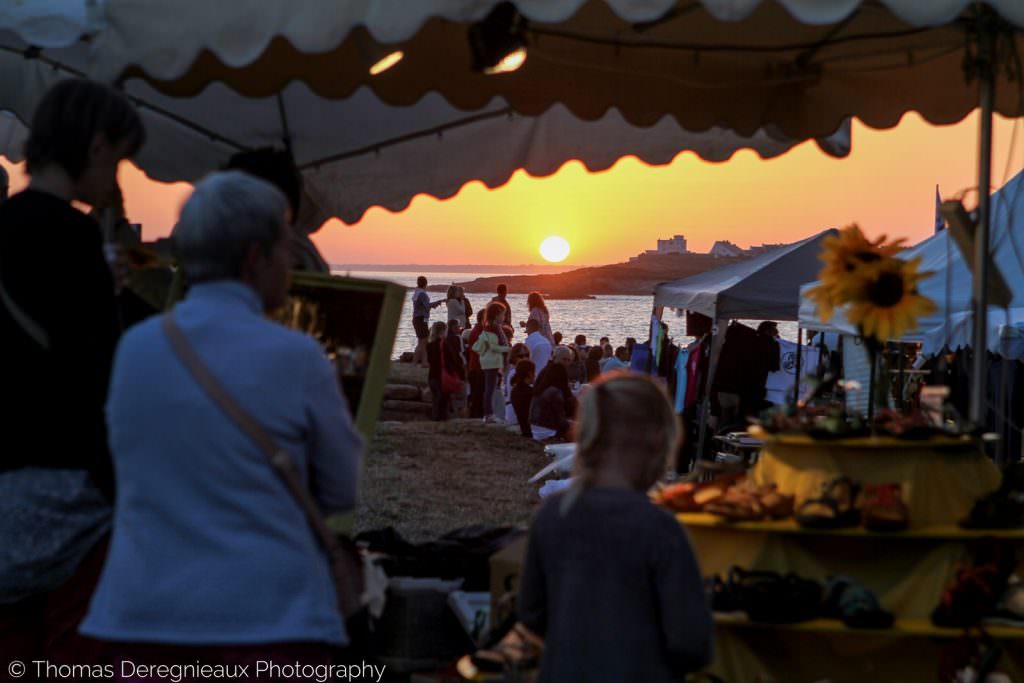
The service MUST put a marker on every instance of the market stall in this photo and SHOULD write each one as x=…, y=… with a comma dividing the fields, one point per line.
x=765, y=287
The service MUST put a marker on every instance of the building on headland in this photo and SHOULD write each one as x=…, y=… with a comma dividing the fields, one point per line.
x=725, y=249
x=674, y=245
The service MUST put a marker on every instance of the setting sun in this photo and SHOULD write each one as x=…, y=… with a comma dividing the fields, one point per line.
x=554, y=249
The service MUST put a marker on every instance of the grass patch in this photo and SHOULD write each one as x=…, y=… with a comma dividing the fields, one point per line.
x=427, y=478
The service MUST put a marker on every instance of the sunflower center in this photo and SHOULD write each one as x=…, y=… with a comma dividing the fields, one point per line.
x=886, y=291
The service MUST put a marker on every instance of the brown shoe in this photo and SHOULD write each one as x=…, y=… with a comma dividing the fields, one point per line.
x=882, y=508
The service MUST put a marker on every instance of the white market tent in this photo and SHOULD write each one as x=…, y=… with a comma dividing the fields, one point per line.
x=766, y=287
x=950, y=284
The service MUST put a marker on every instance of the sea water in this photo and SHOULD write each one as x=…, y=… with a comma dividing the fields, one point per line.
x=614, y=316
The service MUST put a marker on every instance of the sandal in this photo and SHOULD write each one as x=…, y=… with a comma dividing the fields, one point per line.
x=747, y=501
x=834, y=509
x=854, y=604
x=519, y=650
x=741, y=503
x=691, y=496
x=882, y=508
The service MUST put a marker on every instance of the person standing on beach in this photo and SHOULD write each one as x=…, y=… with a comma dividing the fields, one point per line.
x=539, y=312
x=539, y=346
x=456, y=306
x=491, y=346
x=435, y=357
x=421, y=307
x=502, y=299
x=59, y=325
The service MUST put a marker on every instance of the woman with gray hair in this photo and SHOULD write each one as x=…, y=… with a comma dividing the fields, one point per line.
x=211, y=557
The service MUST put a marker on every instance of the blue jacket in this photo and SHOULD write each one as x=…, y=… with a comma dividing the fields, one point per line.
x=208, y=545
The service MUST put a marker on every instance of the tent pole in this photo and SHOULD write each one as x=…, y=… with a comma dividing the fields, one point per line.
x=716, y=341
x=799, y=352
x=986, y=67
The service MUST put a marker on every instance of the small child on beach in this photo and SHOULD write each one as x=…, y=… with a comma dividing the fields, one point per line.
x=522, y=394
x=610, y=581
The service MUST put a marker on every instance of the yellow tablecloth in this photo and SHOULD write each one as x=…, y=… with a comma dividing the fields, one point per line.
x=907, y=574
x=939, y=484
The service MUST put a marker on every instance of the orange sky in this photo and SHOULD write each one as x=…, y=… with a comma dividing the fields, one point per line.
x=887, y=184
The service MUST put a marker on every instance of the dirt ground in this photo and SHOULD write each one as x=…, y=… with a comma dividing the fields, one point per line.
x=427, y=478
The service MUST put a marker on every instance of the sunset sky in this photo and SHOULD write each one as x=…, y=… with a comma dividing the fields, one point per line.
x=887, y=184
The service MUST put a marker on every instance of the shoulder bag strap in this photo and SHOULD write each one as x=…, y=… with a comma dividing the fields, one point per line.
x=24, y=320
x=279, y=459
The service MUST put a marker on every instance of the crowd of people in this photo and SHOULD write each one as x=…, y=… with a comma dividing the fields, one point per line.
x=151, y=520
x=129, y=529
x=480, y=372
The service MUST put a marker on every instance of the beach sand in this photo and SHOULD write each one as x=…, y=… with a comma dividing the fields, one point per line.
x=428, y=478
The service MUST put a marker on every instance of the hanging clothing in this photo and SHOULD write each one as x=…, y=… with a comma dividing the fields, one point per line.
x=694, y=376
x=657, y=338
x=641, y=359
x=682, y=360
x=781, y=382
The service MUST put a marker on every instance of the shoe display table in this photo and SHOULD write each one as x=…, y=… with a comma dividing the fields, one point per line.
x=908, y=571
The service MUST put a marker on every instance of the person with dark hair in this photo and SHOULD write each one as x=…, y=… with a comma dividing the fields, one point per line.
x=5, y=184
x=421, y=307
x=522, y=395
x=59, y=326
x=502, y=299
x=765, y=361
x=553, y=403
x=556, y=338
x=593, y=363
x=476, y=373
x=539, y=312
x=581, y=344
x=620, y=361
x=436, y=349
x=455, y=358
x=278, y=168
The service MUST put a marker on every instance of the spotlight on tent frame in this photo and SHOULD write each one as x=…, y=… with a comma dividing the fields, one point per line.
x=498, y=42
x=377, y=58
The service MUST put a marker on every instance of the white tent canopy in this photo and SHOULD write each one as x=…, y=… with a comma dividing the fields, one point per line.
x=765, y=287
x=950, y=284
x=355, y=152
x=805, y=65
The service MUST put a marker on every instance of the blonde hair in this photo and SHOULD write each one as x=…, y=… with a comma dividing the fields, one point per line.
x=625, y=418
x=437, y=331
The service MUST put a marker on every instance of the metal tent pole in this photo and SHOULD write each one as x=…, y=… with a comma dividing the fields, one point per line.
x=799, y=353
x=979, y=284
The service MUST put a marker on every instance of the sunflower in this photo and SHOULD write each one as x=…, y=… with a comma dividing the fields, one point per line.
x=888, y=303
x=848, y=257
